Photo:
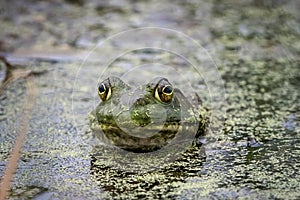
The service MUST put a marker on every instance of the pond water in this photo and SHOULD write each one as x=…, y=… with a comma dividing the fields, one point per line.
x=250, y=81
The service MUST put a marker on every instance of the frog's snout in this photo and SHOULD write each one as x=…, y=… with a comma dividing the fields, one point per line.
x=139, y=112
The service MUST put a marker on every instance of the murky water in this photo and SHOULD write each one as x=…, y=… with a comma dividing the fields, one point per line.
x=255, y=45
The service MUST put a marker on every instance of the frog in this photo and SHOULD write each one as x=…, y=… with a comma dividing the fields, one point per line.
x=148, y=117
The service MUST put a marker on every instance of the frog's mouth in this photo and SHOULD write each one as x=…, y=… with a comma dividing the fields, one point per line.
x=161, y=137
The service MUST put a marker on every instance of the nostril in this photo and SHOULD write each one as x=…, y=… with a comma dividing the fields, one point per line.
x=139, y=102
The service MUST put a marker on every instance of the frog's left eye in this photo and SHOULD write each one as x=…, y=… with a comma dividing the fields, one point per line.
x=164, y=91
x=104, y=90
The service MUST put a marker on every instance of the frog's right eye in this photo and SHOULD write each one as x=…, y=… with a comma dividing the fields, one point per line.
x=164, y=91
x=104, y=90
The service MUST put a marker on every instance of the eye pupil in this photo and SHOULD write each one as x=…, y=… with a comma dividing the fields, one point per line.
x=167, y=90
x=102, y=88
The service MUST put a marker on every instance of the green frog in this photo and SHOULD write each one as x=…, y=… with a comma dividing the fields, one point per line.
x=146, y=118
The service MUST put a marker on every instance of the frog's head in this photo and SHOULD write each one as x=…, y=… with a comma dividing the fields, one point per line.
x=143, y=118
x=143, y=104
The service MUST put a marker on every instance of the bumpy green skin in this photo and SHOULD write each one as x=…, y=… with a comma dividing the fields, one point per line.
x=135, y=120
